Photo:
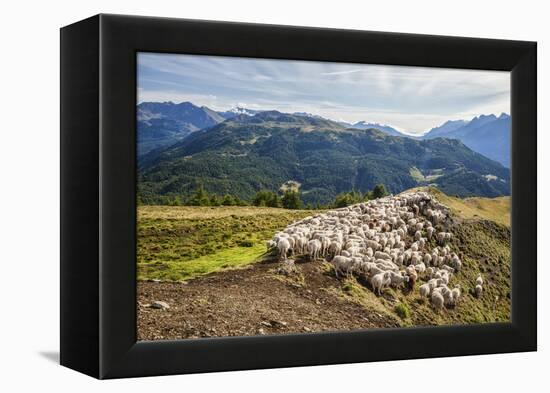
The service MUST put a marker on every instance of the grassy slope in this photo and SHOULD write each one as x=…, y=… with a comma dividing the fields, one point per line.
x=179, y=243
x=492, y=209
x=484, y=247
x=482, y=240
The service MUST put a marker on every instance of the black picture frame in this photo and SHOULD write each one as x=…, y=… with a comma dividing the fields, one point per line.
x=98, y=198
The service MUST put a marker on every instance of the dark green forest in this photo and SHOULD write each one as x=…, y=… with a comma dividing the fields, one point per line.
x=289, y=199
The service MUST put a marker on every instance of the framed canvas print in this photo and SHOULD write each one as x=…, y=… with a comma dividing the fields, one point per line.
x=239, y=196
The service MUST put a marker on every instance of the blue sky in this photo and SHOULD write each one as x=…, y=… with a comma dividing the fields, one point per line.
x=412, y=99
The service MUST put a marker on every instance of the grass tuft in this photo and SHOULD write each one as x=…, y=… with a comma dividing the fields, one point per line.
x=402, y=310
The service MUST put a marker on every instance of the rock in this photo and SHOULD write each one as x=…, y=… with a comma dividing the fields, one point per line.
x=261, y=331
x=160, y=305
x=265, y=323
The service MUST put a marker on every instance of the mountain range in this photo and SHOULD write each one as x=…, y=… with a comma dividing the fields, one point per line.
x=363, y=125
x=164, y=123
x=161, y=124
x=246, y=153
x=486, y=134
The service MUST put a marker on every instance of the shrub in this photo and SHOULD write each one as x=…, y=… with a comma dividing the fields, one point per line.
x=215, y=200
x=402, y=310
x=245, y=243
x=291, y=200
x=266, y=198
x=200, y=197
x=228, y=200
x=347, y=198
x=379, y=191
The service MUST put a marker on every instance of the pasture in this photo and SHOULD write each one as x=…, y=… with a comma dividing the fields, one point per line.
x=210, y=265
x=177, y=243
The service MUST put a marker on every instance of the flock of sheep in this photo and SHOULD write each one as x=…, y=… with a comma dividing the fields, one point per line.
x=387, y=241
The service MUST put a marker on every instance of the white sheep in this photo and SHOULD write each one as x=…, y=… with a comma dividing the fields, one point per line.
x=343, y=265
x=424, y=290
x=427, y=259
x=300, y=244
x=380, y=281
x=447, y=294
x=422, y=243
x=314, y=248
x=374, y=270
x=479, y=290
x=283, y=245
x=432, y=283
x=373, y=244
x=430, y=271
x=429, y=232
x=398, y=279
x=437, y=299
x=420, y=267
x=455, y=292
x=457, y=264
x=382, y=255
x=335, y=248
x=479, y=280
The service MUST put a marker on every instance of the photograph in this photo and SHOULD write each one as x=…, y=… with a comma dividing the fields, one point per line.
x=285, y=196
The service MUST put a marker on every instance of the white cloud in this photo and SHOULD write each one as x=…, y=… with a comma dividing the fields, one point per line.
x=414, y=99
x=341, y=72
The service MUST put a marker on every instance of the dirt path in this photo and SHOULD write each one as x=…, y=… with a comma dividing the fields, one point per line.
x=251, y=301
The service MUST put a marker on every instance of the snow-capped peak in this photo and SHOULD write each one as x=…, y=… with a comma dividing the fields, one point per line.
x=242, y=111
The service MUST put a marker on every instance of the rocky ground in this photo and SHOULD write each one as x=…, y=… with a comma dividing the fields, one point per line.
x=251, y=301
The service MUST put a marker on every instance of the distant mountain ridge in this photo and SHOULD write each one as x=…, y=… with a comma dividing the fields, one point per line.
x=245, y=154
x=161, y=124
x=363, y=125
x=485, y=134
x=445, y=128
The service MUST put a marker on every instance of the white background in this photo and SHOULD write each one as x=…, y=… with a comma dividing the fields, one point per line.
x=29, y=193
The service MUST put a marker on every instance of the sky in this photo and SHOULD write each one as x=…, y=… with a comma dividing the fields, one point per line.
x=411, y=99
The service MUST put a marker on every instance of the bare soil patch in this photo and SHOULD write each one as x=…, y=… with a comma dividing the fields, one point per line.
x=252, y=301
